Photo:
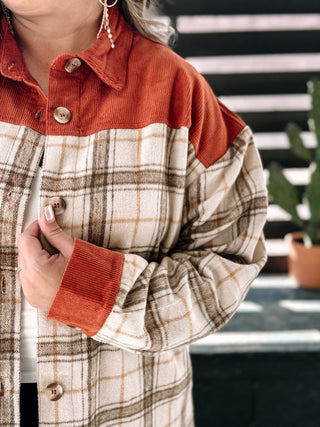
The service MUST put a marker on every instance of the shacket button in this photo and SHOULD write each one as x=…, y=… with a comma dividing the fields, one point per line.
x=58, y=204
x=72, y=65
x=62, y=115
x=54, y=391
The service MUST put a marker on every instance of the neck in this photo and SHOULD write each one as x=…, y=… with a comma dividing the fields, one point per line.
x=42, y=38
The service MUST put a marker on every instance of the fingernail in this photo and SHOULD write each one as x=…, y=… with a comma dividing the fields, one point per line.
x=49, y=213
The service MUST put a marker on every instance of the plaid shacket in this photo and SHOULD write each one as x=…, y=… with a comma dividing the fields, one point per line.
x=165, y=196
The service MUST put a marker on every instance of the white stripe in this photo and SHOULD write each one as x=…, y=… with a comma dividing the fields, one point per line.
x=267, y=103
x=276, y=247
x=240, y=23
x=250, y=307
x=274, y=281
x=243, y=64
x=279, y=140
x=297, y=176
x=259, y=341
x=276, y=213
x=301, y=306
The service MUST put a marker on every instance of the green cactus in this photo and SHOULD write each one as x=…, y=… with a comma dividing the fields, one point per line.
x=283, y=193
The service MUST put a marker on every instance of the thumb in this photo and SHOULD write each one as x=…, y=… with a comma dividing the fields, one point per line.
x=54, y=234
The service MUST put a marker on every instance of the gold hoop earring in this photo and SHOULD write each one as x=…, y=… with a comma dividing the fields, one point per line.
x=105, y=20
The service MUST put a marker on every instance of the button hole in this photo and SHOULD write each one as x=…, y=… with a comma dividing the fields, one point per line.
x=10, y=191
x=38, y=115
x=3, y=286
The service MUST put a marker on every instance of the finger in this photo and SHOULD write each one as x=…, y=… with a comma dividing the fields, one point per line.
x=29, y=245
x=54, y=234
x=33, y=229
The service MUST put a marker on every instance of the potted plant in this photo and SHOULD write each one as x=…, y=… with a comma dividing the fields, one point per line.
x=304, y=246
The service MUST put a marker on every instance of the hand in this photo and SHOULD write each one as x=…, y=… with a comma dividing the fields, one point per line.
x=41, y=273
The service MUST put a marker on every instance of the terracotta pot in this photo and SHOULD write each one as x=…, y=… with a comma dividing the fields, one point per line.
x=303, y=263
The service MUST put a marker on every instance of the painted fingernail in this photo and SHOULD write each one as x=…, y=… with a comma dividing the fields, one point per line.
x=49, y=213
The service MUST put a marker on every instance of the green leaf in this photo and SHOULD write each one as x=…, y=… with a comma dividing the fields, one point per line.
x=283, y=193
x=296, y=142
x=313, y=193
x=314, y=91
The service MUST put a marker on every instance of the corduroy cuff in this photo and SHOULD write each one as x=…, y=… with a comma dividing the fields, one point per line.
x=88, y=288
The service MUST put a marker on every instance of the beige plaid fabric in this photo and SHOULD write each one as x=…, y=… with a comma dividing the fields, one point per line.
x=192, y=240
x=141, y=375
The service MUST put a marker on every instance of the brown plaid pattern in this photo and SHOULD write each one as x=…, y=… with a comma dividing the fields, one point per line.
x=137, y=168
x=192, y=242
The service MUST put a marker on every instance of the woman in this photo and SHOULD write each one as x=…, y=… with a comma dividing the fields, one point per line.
x=152, y=194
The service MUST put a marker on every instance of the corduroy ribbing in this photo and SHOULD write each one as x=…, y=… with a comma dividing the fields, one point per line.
x=172, y=93
x=88, y=288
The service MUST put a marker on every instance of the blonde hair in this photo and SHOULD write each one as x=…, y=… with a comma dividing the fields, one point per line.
x=138, y=14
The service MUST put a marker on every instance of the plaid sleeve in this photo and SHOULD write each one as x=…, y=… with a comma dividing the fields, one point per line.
x=197, y=287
